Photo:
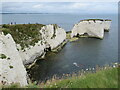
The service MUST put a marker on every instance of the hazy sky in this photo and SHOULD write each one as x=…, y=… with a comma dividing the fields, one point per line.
x=60, y=7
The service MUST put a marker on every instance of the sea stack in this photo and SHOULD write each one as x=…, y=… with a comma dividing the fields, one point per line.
x=91, y=28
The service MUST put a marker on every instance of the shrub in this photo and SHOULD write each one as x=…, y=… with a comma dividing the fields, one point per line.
x=11, y=67
x=3, y=56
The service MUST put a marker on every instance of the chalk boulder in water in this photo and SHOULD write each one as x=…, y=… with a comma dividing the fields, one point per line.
x=91, y=28
x=75, y=64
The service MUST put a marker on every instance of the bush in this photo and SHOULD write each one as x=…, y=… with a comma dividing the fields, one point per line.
x=3, y=56
x=11, y=67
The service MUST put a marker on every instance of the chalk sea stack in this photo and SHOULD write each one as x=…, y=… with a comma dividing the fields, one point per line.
x=91, y=28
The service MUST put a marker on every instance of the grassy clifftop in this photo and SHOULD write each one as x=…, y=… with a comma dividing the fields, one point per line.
x=96, y=20
x=24, y=34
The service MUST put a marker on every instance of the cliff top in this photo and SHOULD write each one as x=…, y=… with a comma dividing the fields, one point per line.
x=96, y=20
x=23, y=34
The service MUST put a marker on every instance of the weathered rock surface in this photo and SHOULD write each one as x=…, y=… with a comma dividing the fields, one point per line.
x=91, y=28
x=52, y=36
x=12, y=69
x=13, y=56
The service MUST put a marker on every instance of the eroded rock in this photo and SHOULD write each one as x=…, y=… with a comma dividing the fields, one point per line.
x=91, y=28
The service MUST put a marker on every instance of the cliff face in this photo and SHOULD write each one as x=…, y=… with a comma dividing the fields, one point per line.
x=91, y=28
x=22, y=44
x=51, y=37
x=11, y=66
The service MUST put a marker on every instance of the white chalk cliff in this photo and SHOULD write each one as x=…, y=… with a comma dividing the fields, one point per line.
x=91, y=27
x=12, y=69
x=52, y=36
x=13, y=58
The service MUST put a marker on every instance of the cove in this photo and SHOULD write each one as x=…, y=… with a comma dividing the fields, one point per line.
x=86, y=52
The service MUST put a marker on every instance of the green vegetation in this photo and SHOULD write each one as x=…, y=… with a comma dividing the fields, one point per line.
x=24, y=34
x=3, y=56
x=32, y=85
x=8, y=58
x=68, y=34
x=11, y=86
x=102, y=79
x=73, y=39
x=108, y=20
x=11, y=67
x=96, y=19
x=69, y=37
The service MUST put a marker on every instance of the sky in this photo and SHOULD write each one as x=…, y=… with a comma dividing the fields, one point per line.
x=59, y=0
x=59, y=7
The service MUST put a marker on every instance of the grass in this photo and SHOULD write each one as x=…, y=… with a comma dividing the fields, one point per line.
x=102, y=79
x=11, y=86
x=96, y=19
x=32, y=85
x=68, y=36
x=24, y=34
x=105, y=78
x=73, y=39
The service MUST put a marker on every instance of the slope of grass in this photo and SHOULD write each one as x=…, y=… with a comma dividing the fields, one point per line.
x=102, y=79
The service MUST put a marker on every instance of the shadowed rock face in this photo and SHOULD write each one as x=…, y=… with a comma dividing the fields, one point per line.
x=91, y=27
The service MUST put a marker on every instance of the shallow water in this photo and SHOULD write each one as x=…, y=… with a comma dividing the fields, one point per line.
x=85, y=52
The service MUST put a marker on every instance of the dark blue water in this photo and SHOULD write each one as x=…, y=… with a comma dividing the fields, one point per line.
x=86, y=52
